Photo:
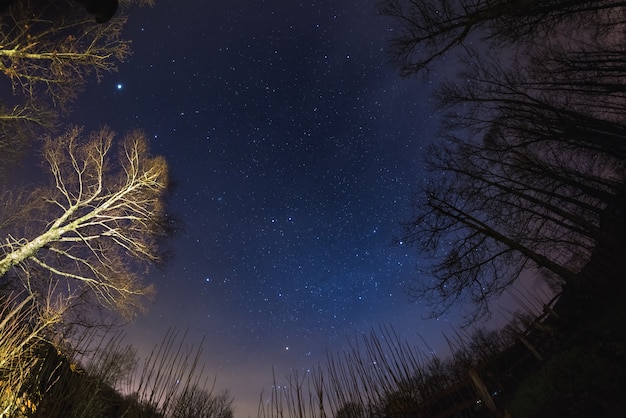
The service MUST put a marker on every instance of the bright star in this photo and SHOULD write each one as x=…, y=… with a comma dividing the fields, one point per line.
x=119, y=86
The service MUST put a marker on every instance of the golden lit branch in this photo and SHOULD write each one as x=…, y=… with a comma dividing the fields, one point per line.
x=51, y=48
x=102, y=220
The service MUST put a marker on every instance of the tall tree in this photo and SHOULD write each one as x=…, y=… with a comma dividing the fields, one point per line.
x=493, y=210
x=92, y=230
x=520, y=181
x=532, y=150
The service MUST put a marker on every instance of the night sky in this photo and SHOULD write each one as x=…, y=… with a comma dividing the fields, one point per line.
x=296, y=148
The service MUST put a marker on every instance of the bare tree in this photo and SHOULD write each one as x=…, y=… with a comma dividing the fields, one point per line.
x=532, y=154
x=495, y=209
x=545, y=100
x=96, y=225
x=49, y=50
x=427, y=31
x=50, y=47
x=587, y=77
x=474, y=259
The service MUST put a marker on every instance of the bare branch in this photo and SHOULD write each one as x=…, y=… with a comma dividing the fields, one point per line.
x=104, y=218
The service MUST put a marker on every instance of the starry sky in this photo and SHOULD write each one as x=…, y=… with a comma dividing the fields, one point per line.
x=296, y=148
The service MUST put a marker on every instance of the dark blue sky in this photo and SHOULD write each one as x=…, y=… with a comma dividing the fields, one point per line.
x=296, y=149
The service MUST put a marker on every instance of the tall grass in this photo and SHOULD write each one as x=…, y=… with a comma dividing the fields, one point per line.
x=95, y=374
x=171, y=382
x=174, y=383
x=380, y=375
x=23, y=327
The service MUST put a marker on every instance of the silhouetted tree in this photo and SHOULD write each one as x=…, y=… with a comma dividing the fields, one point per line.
x=535, y=103
x=351, y=410
x=533, y=148
x=196, y=402
x=428, y=30
x=497, y=208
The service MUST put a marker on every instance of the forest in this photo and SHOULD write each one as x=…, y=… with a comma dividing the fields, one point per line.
x=525, y=177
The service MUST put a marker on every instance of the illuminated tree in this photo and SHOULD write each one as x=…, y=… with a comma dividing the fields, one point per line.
x=22, y=328
x=96, y=227
x=49, y=48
